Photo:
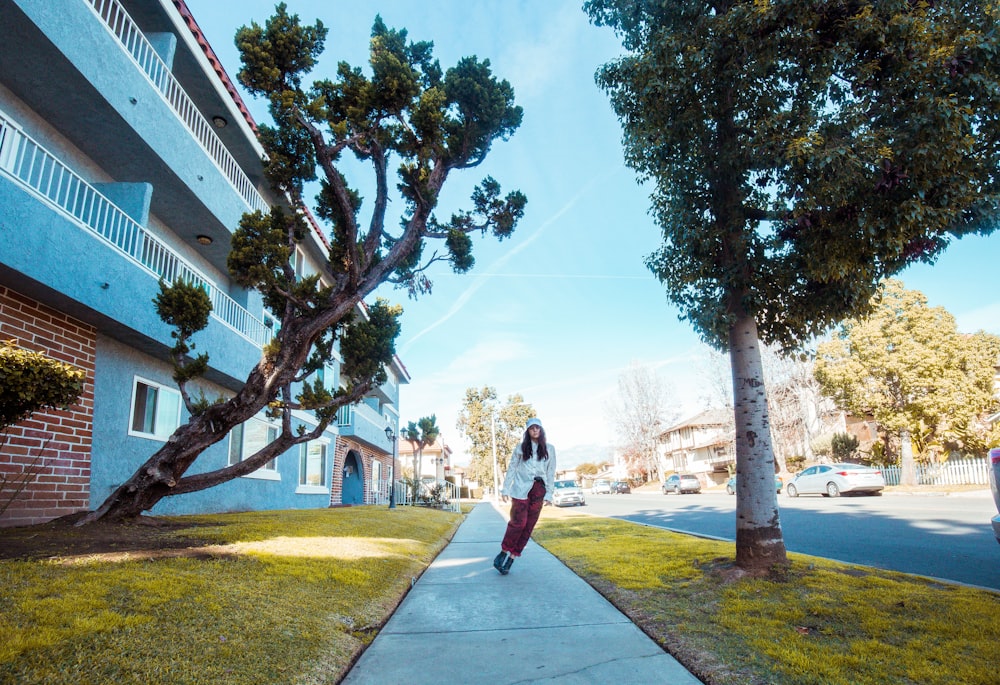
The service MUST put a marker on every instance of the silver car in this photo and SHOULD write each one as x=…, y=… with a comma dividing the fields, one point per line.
x=601, y=487
x=567, y=493
x=995, y=487
x=831, y=480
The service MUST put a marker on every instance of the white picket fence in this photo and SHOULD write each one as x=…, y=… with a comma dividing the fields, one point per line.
x=951, y=472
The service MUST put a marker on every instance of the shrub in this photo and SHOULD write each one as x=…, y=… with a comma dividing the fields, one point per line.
x=843, y=446
x=30, y=381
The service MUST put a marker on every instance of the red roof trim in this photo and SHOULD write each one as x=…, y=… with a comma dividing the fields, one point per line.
x=214, y=61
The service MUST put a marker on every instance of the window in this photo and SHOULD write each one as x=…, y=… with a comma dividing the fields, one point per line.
x=247, y=438
x=327, y=375
x=312, y=465
x=297, y=260
x=156, y=410
x=376, y=474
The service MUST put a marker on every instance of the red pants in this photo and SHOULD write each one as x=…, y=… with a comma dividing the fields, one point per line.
x=523, y=517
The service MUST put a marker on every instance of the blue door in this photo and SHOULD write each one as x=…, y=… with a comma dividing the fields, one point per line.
x=353, y=491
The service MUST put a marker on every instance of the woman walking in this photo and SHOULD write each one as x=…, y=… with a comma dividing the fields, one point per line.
x=530, y=475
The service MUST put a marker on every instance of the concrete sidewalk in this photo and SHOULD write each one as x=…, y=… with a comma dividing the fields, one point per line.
x=465, y=623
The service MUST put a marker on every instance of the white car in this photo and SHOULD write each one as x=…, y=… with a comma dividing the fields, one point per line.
x=601, y=487
x=566, y=493
x=832, y=480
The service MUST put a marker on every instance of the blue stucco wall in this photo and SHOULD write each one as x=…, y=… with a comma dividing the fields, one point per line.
x=99, y=280
x=116, y=454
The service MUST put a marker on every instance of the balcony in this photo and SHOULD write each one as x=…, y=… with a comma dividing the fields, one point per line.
x=133, y=94
x=142, y=52
x=41, y=173
x=363, y=423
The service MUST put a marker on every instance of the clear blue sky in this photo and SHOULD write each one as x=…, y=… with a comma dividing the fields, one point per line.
x=558, y=311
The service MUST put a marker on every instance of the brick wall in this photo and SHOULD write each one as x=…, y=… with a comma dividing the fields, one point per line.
x=345, y=445
x=54, y=445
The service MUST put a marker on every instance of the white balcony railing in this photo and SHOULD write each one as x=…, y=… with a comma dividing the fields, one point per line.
x=32, y=166
x=141, y=51
x=345, y=415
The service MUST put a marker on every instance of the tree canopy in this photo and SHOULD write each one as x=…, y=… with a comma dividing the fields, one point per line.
x=406, y=110
x=908, y=367
x=800, y=152
x=483, y=419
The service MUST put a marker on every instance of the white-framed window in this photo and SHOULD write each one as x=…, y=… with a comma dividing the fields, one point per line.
x=249, y=437
x=313, y=466
x=155, y=411
x=376, y=474
x=328, y=376
x=298, y=262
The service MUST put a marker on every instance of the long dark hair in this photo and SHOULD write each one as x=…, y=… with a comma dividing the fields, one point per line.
x=543, y=450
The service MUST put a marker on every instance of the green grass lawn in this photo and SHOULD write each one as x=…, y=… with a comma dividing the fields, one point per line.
x=819, y=622
x=295, y=596
x=266, y=597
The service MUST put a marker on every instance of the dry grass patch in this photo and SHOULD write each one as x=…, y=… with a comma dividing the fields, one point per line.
x=278, y=597
x=819, y=622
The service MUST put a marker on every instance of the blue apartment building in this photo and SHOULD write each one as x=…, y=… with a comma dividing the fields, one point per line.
x=127, y=156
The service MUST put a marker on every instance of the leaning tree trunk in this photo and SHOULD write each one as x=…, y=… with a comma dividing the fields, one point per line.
x=160, y=475
x=759, y=542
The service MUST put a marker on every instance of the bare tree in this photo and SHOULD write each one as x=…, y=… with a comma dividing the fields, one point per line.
x=641, y=411
x=798, y=411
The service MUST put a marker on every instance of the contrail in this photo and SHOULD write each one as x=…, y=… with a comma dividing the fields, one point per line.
x=481, y=280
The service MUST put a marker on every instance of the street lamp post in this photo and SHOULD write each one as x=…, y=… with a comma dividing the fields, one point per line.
x=391, y=437
x=493, y=441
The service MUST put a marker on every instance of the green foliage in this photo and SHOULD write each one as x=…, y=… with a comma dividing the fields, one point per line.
x=434, y=121
x=907, y=365
x=183, y=305
x=30, y=381
x=369, y=345
x=186, y=307
x=822, y=445
x=802, y=151
x=406, y=111
x=795, y=462
x=260, y=251
x=422, y=433
x=843, y=446
x=484, y=418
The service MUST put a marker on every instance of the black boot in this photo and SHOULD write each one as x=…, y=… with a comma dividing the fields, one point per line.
x=499, y=561
x=505, y=569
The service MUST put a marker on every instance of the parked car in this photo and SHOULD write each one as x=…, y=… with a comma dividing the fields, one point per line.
x=680, y=483
x=995, y=487
x=832, y=480
x=566, y=493
x=601, y=487
x=731, y=484
x=620, y=487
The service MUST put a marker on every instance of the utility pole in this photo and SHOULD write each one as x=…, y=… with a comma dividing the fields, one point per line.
x=493, y=440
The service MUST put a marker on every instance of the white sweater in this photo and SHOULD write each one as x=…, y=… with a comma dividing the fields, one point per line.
x=521, y=473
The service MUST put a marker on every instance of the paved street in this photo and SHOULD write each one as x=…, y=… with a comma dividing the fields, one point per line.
x=946, y=537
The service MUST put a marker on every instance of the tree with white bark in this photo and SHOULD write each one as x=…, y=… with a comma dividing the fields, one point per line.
x=800, y=152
